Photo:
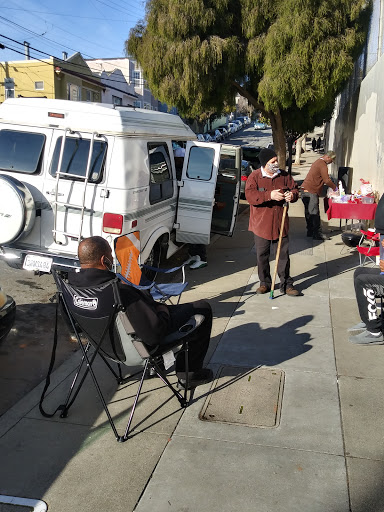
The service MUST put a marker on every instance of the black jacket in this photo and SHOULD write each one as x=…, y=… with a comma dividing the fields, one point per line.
x=150, y=324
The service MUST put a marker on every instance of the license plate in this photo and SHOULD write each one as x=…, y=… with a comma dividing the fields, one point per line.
x=34, y=262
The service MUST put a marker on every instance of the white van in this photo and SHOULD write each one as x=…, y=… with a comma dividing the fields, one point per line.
x=69, y=170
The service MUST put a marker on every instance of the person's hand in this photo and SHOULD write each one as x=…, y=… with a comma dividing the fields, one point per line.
x=288, y=196
x=277, y=195
x=381, y=265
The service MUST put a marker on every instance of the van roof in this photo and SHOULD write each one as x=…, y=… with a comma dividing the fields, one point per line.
x=103, y=118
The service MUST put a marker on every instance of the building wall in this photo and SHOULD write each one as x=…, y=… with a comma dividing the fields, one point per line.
x=366, y=155
x=25, y=74
x=356, y=129
x=55, y=80
x=113, y=72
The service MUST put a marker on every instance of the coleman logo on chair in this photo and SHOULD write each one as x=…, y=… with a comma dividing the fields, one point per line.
x=85, y=302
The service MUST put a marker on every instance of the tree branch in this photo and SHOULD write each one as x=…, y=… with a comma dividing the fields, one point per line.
x=243, y=92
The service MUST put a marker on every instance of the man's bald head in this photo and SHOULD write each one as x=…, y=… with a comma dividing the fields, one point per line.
x=91, y=251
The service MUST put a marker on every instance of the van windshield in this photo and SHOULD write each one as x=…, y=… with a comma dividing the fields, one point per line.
x=75, y=158
x=20, y=151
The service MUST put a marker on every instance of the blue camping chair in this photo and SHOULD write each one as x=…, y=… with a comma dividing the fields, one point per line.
x=160, y=292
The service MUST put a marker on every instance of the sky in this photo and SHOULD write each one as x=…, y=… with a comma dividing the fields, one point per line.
x=95, y=28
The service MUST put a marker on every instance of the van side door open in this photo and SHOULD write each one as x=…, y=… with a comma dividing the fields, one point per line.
x=207, y=203
x=227, y=191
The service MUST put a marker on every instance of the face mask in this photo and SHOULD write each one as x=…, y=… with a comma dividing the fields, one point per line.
x=274, y=167
x=107, y=263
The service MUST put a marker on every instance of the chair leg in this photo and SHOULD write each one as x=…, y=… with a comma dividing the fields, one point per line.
x=182, y=399
x=123, y=438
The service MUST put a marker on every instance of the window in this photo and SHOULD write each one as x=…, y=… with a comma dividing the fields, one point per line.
x=161, y=182
x=75, y=158
x=116, y=100
x=88, y=95
x=21, y=151
x=137, y=104
x=200, y=163
x=136, y=79
x=9, y=85
x=73, y=92
x=39, y=86
x=147, y=105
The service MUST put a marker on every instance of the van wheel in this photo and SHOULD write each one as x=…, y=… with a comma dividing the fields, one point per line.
x=18, y=211
x=153, y=260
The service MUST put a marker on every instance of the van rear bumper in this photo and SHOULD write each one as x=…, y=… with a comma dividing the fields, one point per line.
x=15, y=258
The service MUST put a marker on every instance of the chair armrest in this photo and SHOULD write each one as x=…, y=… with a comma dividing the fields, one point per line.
x=193, y=323
x=163, y=270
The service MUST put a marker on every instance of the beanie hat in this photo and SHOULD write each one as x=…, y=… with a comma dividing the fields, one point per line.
x=265, y=156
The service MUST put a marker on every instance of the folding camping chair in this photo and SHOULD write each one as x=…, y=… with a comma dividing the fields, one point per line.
x=97, y=314
x=368, y=253
x=127, y=250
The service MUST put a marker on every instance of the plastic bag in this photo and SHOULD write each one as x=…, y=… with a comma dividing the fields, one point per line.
x=365, y=188
x=331, y=192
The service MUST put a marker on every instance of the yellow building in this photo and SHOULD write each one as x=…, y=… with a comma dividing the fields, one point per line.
x=69, y=79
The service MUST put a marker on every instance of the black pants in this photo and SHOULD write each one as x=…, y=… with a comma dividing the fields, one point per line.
x=198, y=341
x=312, y=213
x=263, y=249
x=369, y=285
x=198, y=250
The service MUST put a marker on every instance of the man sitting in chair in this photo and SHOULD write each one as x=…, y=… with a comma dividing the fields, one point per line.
x=369, y=286
x=150, y=320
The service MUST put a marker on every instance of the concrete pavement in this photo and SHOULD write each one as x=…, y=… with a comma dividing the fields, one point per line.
x=312, y=438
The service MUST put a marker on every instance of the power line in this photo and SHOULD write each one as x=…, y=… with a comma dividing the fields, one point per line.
x=141, y=82
x=69, y=15
x=35, y=33
x=114, y=3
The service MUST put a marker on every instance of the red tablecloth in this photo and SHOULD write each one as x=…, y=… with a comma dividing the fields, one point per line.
x=351, y=211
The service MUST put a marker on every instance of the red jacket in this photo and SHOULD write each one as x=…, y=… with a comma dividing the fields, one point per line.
x=265, y=214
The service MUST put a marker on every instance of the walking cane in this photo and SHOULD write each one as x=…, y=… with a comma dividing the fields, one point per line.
x=285, y=208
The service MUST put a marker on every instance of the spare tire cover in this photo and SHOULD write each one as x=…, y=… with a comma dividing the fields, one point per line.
x=17, y=209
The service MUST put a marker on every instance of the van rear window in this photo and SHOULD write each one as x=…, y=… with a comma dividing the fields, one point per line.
x=21, y=151
x=75, y=158
x=200, y=163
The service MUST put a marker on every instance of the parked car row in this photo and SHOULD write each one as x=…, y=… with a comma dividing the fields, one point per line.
x=222, y=132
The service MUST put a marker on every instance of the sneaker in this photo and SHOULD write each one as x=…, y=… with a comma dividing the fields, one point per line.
x=358, y=327
x=197, y=378
x=263, y=289
x=367, y=338
x=191, y=259
x=198, y=264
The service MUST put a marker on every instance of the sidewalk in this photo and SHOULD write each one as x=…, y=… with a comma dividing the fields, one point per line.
x=310, y=403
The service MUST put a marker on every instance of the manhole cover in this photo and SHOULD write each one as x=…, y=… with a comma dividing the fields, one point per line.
x=245, y=396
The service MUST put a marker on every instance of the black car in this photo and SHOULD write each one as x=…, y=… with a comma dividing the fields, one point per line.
x=251, y=153
x=7, y=314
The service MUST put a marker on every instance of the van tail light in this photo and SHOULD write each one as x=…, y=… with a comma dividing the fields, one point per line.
x=112, y=223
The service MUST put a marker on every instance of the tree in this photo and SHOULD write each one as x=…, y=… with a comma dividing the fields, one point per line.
x=289, y=58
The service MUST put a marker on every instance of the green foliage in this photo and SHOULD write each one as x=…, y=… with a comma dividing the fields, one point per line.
x=287, y=56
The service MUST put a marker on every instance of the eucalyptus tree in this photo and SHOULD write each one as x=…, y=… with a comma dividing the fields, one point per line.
x=289, y=58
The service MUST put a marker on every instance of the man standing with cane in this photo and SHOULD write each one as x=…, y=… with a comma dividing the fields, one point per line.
x=267, y=190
